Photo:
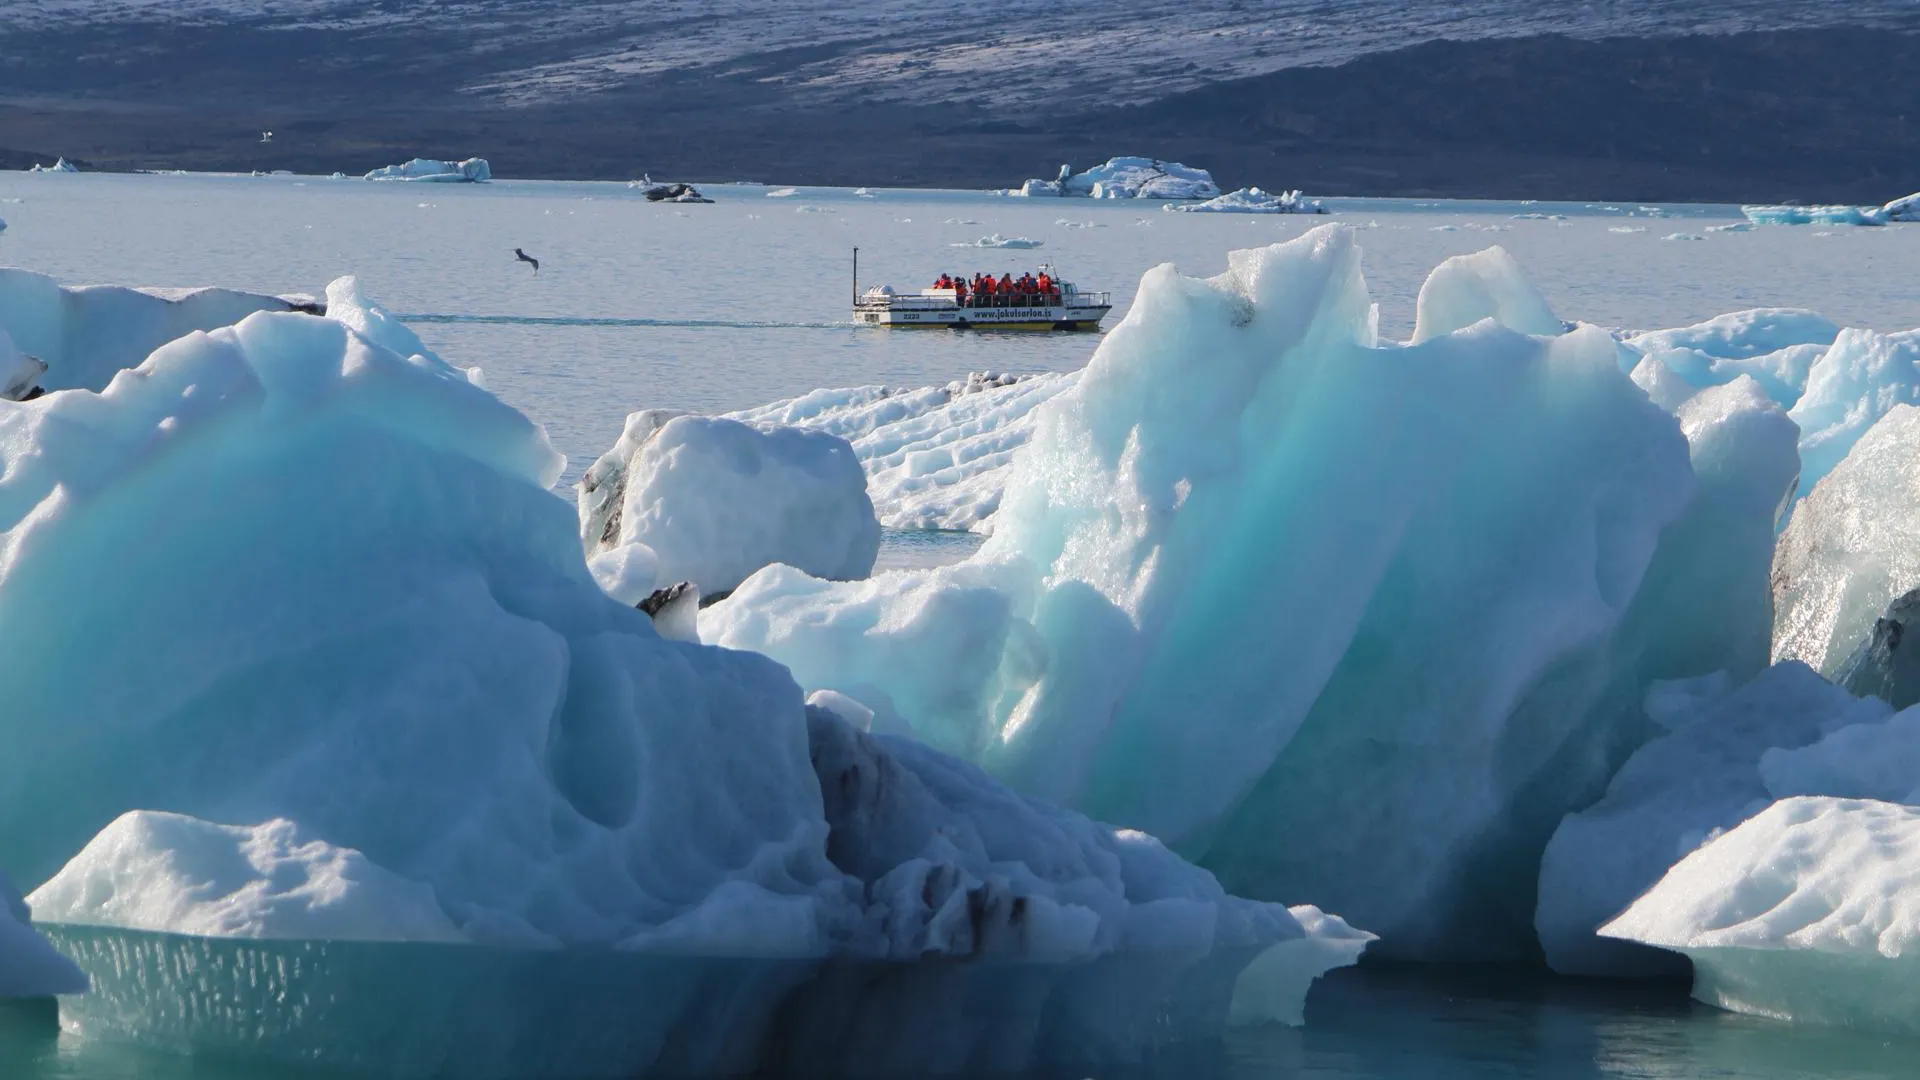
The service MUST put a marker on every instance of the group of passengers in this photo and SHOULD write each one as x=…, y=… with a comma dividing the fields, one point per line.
x=985, y=290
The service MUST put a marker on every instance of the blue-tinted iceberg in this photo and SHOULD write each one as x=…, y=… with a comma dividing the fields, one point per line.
x=1817, y=215
x=1776, y=346
x=86, y=334
x=1806, y=912
x=710, y=500
x=1189, y=620
x=1128, y=178
x=1905, y=208
x=428, y=170
x=60, y=166
x=383, y=779
x=1856, y=381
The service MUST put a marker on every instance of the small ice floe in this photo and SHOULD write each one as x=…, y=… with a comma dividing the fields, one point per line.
x=1628, y=229
x=1683, y=236
x=1252, y=200
x=998, y=241
x=431, y=171
x=1817, y=215
x=782, y=193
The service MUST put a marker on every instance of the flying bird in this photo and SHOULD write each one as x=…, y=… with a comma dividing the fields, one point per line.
x=526, y=258
x=266, y=136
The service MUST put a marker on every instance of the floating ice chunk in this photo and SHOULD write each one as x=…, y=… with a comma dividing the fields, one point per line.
x=1627, y=229
x=1729, y=227
x=998, y=241
x=428, y=170
x=1128, y=178
x=628, y=572
x=1186, y=622
x=1817, y=215
x=936, y=457
x=1252, y=200
x=1808, y=912
x=715, y=499
x=1853, y=384
x=60, y=166
x=1852, y=547
x=1683, y=236
x=86, y=334
x=1777, y=346
x=1670, y=797
x=168, y=872
x=1905, y=208
x=783, y=193
x=1273, y=989
x=29, y=967
x=1485, y=285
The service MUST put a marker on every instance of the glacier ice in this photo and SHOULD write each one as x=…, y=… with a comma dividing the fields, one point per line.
x=1776, y=346
x=1905, y=208
x=1185, y=621
x=1805, y=912
x=1885, y=663
x=429, y=170
x=1852, y=546
x=711, y=500
x=936, y=457
x=1855, y=382
x=1128, y=178
x=62, y=165
x=20, y=374
x=29, y=967
x=1252, y=200
x=1484, y=285
x=364, y=685
x=85, y=334
x=1817, y=215
x=1700, y=779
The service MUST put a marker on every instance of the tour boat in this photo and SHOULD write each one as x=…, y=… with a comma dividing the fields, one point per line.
x=1065, y=307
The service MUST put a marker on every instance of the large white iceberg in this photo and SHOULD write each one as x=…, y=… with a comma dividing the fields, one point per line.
x=1187, y=620
x=60, y=166
x=432, y=171
x=935, y=457
x=1852, y=547
x=1810, y=911
x=85, y=334
x=712, y=500
x=1905, y=208
x=1252, y=200
x=29, y=967
x=1128, y=178
x=382, y=778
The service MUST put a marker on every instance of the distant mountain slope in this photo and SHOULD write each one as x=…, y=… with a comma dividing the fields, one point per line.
x=887, y=93
x=1030, y=56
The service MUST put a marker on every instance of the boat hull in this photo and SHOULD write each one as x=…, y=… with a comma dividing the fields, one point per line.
x=1057, y=317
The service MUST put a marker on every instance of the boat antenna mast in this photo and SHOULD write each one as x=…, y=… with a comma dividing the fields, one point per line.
x=856, y=276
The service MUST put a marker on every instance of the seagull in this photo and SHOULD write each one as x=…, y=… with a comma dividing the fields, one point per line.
x=266, y=136
x=526, y=258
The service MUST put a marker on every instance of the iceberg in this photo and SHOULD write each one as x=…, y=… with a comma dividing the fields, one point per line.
x=1806, y=912
x=385, y=780
x=1776, y=346
x=20, y=374
x=1127, y=178
x=60, y=166
x=428, y=170
x=1855, y=382
x=1817, y=215
x=998, y=241
x=935, y=457
x=1252, y=200
x=1702, y=778
x=1905, y=208
x=29, y=966
x=1852, y=547
x=86, y=334
x=1883, y=664
x=1186, y=622
x=710, y=500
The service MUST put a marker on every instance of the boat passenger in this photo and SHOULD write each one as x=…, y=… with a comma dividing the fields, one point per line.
x=945, y=282
x=1006, y=288
x=960, y=292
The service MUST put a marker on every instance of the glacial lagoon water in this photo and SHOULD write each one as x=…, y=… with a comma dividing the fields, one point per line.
x=728, y=305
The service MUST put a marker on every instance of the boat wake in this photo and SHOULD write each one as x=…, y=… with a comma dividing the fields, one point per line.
x=561, y=320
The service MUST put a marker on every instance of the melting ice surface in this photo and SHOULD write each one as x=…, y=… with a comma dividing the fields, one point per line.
x=1370, y=1027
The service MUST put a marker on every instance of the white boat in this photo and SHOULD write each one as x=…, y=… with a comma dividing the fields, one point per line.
x=1064, y=307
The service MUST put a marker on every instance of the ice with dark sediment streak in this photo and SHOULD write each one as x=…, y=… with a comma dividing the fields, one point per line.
x=383, y=778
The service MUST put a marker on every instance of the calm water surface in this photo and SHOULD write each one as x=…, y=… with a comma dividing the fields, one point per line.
x=723, y=306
